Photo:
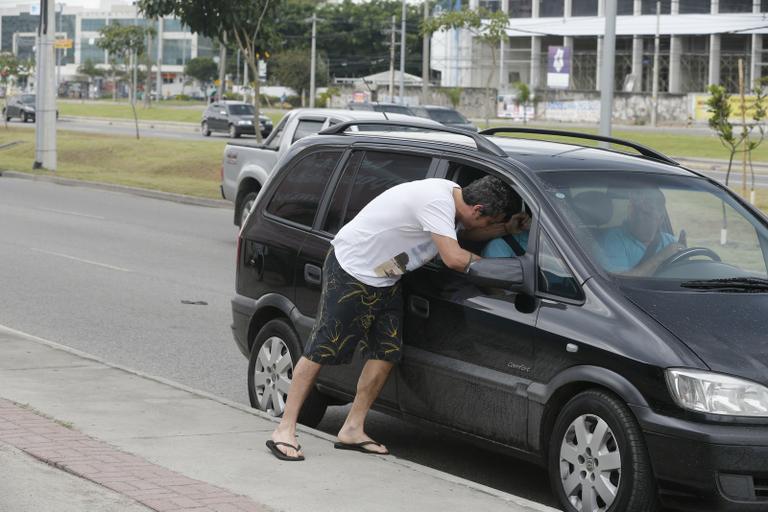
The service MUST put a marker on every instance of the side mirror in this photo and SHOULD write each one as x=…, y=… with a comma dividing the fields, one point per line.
x=497, y=273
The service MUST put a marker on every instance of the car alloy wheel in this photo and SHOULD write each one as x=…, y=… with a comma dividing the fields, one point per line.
x=272, y=375
x=590, y=464
x=233, y=133
x=597, y=460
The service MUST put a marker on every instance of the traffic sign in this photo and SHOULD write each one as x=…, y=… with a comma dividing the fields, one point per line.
x=63, y=44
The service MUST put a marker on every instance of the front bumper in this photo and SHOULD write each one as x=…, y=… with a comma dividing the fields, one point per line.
x=248, y=129
x=703, y=466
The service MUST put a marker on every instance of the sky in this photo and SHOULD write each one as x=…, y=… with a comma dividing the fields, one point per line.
x=92, y=4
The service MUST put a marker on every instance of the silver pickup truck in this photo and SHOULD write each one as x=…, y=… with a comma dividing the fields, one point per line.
x=247, y=166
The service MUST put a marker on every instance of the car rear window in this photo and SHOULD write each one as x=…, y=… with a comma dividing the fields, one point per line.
x=298, y=194
x=446, y=116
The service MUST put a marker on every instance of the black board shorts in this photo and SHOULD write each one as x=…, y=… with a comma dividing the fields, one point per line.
x=353, y=314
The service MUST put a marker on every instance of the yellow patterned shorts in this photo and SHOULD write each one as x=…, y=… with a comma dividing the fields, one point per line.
x=353, y=314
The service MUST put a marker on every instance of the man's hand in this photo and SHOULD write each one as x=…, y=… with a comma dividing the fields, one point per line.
x=651, y=265
x=518, y=223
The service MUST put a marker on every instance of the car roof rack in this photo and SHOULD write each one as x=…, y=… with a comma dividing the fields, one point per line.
x=483, y=144
x=643, y=150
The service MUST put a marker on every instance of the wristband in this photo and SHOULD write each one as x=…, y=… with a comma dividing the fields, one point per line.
x=466, y=268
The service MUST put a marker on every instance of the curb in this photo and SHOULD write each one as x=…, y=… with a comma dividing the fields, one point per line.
x=391, y=459
x=154, y=194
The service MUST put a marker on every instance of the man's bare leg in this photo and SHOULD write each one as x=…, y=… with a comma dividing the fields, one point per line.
x=369, y=385
x=304, y=376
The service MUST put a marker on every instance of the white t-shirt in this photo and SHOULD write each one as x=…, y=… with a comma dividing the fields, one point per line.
x=393, y=233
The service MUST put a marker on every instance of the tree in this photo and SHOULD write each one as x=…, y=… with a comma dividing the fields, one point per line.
x=291, y=68
x=248, y=23
x=9, y=67
x=523, y=97
x=202, y=69
x=490, y=28
x=127, y=43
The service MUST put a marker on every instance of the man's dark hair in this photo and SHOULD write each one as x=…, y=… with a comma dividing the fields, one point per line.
x=495, y=196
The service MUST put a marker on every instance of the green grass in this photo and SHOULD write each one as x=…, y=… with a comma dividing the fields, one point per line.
x=123, y=111
x=666, y=141
x=182, y=167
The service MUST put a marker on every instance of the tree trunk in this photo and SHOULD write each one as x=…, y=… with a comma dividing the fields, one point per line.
x=253, y=64
x=114, y=86
x=488, y=87
x=148, y=81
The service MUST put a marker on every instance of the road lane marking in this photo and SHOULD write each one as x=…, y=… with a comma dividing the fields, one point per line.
x=81, y=260
x=71, y=213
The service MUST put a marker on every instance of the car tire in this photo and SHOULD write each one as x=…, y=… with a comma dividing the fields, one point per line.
x=204, y=129
x=244, y=207
x=611, y=471
x=25, y=118
x=233, y=133
x=274, y=354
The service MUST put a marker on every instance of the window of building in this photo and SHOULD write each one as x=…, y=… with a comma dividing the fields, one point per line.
x=521, y=8
x=735, y=6
x=763, y=5
x=584, y=8
x=92, y=24
x=10, y=25
x=91, y=51
x=298, y=195
x=173, y=25
x=625, y=7
x=378, y=171
x=491, y=5
x=695, y=6
x=649, y=6
x=555, y=278
x=176, y=51
x=551, y=8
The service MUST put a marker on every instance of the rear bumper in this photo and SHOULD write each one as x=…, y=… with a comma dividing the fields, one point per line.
x=701, y=466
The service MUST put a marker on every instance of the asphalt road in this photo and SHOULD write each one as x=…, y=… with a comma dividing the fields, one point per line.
x=106, y=273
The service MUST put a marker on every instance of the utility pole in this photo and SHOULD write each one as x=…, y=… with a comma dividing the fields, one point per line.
x=159, y=75
x=393, y=30
x=58, y=50
x=402, y=58
x=655, y=88
x=607, y=69
x=45, y=115
x=425, y=59
x=313, y=62
x=222, y=66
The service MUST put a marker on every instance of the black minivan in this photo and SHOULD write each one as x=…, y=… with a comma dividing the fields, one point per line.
x=633, y=365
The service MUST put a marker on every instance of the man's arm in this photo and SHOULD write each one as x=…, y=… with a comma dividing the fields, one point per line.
x=651, y=265
x=452, y=254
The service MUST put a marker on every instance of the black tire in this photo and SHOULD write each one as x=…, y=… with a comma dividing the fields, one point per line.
x=233, y=132
x=204, y=129
x=314, y=407
x=633, y=485
x=244, y=203
x=25, y=118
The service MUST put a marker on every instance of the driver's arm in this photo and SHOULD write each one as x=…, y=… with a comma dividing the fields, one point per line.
x=452, y=254
x=651, y=265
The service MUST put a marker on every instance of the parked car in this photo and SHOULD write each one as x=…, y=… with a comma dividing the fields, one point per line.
x=444, y=115
x=390, y=108
x=234, y=118
x=633, y=389
x=23, y=107
x=246, y=167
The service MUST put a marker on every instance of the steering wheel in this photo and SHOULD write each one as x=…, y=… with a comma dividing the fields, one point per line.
x=686, y=254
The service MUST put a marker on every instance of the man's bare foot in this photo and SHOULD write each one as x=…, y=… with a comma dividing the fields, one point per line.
x=349, y=436
x=286, y=435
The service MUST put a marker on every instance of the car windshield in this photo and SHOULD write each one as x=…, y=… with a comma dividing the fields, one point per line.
x=241, y=110
x=658, y=229
x=28, y=99
x=446, y=116
x=393, y=109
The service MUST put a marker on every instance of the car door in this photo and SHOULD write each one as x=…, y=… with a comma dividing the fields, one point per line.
x=367, y=172
x=469, y=351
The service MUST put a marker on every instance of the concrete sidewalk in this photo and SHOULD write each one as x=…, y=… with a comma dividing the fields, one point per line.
x=168, y=447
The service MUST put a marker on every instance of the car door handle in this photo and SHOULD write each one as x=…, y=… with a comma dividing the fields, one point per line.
x=313, y=274
x=419, y=306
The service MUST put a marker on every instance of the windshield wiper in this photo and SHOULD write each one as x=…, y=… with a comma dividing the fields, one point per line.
x=733, y=284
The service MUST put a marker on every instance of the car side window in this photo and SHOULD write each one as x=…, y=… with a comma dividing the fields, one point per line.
x=377, y=171
x=273, y=142
x=307, y=127
x=298, y=195
x=555, y=278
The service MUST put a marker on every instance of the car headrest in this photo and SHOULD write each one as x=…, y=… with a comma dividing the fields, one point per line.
x=593, y=207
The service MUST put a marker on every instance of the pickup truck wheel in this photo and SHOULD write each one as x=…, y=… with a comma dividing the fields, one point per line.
x=245, y=206
x=233, y=132
x=204, y=129
x=274, y=354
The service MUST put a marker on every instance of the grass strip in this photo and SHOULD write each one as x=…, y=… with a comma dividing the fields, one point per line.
x=181, y=167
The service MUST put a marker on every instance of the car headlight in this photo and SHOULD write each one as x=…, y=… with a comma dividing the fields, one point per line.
x=714, y=393
x=244, y=122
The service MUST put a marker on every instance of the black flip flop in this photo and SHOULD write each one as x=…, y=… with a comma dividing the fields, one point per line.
x=359, y=447
x=273, y=447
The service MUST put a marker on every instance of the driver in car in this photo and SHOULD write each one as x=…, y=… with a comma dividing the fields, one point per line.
x=639, y=246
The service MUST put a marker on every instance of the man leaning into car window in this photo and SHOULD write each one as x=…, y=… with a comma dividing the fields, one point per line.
x=361, y=302
x=639, y=245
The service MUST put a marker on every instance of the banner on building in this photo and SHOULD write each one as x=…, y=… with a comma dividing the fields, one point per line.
x=700, y=113
x=558, y=67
